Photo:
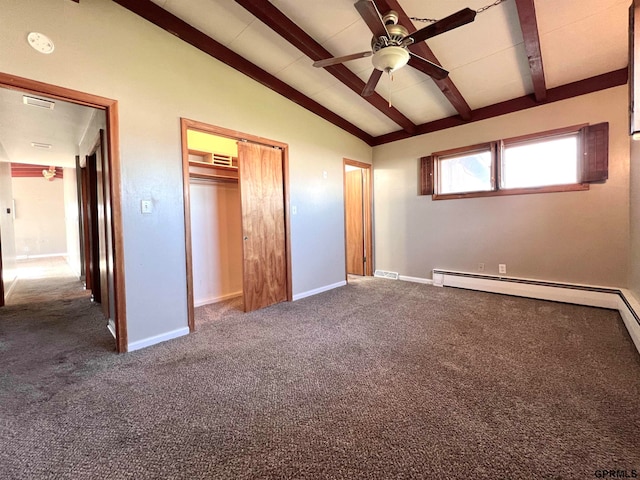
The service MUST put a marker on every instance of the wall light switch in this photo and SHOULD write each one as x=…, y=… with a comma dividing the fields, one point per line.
x=294, y=210
x=324, y=174
x=146, y=206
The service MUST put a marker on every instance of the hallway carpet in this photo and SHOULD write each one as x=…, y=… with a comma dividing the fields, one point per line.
x=380, y=379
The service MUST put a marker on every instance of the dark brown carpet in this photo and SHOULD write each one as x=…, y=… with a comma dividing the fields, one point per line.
x=380, y=379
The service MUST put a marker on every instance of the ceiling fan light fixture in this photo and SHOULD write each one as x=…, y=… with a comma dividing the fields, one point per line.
x=391, y=58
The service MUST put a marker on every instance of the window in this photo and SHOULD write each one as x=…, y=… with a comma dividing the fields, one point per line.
x=560, y=160
x=469, y=171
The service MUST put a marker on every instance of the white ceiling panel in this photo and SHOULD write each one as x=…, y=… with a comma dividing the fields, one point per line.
x=222, y=20
x=307, y=79
x=340, y=99
x=271, y=52
x=587, y=47
x=554, y=14
x=421, y=103
x=62, y=128
x=321, y=20
x=492, y=31
x=499, y=77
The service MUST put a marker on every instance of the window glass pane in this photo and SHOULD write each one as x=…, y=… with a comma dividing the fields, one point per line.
x=542, y=163
x=469, y=172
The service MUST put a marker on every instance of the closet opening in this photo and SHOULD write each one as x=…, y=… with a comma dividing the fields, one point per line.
x=236, y=218
x=216, y=231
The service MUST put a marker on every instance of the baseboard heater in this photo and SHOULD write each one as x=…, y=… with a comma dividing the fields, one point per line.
x=603, y=297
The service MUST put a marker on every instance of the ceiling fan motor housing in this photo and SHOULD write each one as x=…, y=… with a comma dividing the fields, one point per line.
x=390, y=53
x=397, y=34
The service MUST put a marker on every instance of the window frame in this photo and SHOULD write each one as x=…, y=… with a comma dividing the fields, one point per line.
x=496, y=166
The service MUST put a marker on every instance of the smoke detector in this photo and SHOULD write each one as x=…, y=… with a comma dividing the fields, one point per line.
x=40, y=42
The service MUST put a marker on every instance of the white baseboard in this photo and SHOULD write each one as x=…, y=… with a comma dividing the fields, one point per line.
x=589, y=295
x=46, y=255
x=11, y=288
x=405, y=278
x=111, y=326
x=208, y=300
x=147, y=342
x=316, y=291
x=629, y=308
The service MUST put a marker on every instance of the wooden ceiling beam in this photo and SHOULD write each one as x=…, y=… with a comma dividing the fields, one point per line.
x=268, y=14
x=529, y=26
x=446, y=85
x=612, y=79
x=181, y=29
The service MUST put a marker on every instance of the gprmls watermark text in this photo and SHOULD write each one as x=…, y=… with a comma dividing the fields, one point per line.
x=616, y=473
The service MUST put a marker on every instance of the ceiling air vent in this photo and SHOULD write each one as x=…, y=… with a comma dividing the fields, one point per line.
x=385, y=274
x=38, y=102
x=42, y=146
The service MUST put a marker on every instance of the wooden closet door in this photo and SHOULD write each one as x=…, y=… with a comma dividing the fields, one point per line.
x=261, y=181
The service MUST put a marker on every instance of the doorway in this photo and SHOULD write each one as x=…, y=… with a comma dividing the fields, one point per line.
x=244, y=220
x=357, y=218
x=111, y=211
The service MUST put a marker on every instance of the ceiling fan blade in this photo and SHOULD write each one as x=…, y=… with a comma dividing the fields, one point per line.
x=369, y=13
x=371, y=84
x=425, y=66
x=332, y=61
x=455, y=20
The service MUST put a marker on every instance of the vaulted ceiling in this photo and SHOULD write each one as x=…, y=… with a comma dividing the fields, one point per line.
x=516, y=54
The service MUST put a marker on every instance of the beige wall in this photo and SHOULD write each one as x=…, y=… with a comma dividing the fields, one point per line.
x=216, y=239
x=40, y=226
x=580, y=237
x=71, y=219
x=103, y=49
x=634, y=259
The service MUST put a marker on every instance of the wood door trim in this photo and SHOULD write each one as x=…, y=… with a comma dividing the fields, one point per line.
x=187, y=124
x=110, y=106
x=367, y=193
x=184, y=126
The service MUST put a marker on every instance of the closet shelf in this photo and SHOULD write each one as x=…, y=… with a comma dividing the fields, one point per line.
x=215, y=177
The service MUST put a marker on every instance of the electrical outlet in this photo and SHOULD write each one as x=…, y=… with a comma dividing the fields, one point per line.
x=481, y=267
x=502, y=268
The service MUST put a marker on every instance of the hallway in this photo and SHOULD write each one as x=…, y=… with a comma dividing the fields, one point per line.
x=48, y=318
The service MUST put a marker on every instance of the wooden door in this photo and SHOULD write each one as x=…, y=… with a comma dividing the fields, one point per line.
x=104, y=221
x=354, y=221
x=261, y=180
x=93, y=230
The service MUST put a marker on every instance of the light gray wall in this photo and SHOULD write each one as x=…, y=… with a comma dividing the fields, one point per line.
x=9, y=270
x=580, y=237
x=103, y=49
x=634, y=260
x=40, y=216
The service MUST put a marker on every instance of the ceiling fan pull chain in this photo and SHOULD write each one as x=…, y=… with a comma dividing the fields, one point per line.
x=390, y=80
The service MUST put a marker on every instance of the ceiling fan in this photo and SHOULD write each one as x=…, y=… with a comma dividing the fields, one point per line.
x=390, y=42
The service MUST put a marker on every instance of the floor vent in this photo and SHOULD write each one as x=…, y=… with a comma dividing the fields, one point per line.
x=385, y=274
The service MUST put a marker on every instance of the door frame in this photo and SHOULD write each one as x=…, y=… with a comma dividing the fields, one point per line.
x=110, y=107
x=367, y=209
x=187, y=124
